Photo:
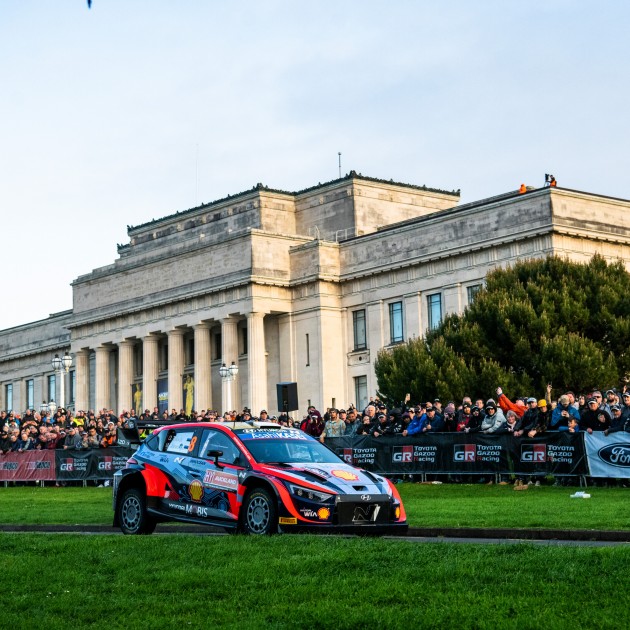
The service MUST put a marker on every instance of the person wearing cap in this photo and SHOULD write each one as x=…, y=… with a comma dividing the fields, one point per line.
x=625, y=405
x=421, y=422
x=618, y=422
x=380, y=428
x=263, y=415
x=438, y=406
x=334, y=427
x=533, y=420
x=73, y=438
x=5, y=442
x=494, y=417
x=561, y=414
x=594, y=418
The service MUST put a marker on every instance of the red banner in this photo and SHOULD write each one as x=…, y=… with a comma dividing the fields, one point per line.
x=28, y=466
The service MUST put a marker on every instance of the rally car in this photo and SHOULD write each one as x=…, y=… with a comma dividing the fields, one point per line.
x=255, y=478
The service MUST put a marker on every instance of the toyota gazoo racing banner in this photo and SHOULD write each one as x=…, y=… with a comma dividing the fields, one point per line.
x=608, y=456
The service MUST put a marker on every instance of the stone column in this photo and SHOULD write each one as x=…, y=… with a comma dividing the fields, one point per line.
x=102, y=378
x=149, y=372
x=256, y=363
x=175, y=369
x=82, y=372
x=125, y=375
x=203, y=374
x=229, y=353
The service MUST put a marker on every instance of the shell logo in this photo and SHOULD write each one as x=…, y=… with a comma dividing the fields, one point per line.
x=323, y=514
x=195, y=490
x=344, y=474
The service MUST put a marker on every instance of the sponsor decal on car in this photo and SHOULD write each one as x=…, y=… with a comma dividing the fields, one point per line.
x=195, y=490
x=346, y=475
x=323, y=514
x=219, y=479
x=287, y=520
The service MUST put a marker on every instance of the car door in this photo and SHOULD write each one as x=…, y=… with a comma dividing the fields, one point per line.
x=179, y=447
x=220, y=474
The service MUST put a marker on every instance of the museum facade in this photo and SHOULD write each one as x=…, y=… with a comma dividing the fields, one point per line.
x=301, y=287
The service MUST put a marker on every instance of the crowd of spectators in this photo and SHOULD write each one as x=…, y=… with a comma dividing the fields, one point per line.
x=525, y=416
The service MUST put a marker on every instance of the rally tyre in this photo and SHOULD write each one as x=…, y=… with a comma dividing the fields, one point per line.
x=260, y=513
x=132, y=514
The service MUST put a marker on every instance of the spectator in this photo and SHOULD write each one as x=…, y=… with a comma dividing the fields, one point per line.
x=93, y=438
x=5, y=442
x=572, y=426
x=418, y=424
x=380, y=428
x=73, y=438
x=510, y=423
x=352, y=424
x=529, y=421
x=463, y=416
x=561, y=414
x=365, y=427
x=506, y=404
x=313, y=424
x=618, y=422
x=494, y=418
x=594, y=418
x=335, y=427
x=474, y=423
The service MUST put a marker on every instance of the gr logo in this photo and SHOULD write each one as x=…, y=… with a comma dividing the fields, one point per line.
x=402, y=454
x=67, y=465
x=347, y=455
x=533, y=453
x=105, y=463
x=464, y=453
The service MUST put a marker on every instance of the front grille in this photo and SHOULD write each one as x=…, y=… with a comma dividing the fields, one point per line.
x=362, y=513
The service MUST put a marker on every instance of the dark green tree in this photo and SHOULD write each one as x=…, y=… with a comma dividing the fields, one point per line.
x=539, y=321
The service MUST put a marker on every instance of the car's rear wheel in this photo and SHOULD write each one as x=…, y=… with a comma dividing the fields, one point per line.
x=132, y=514
x=260, y=513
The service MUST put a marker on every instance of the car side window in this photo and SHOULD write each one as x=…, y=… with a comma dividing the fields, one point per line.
x=181, y=442
x=212, y=440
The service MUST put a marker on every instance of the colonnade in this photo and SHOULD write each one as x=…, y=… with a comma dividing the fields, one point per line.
x=177, y=370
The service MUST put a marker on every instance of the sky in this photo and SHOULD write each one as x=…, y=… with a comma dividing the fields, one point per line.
x=137, y=109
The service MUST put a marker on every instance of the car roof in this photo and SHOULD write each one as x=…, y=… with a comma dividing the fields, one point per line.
x=231, y=427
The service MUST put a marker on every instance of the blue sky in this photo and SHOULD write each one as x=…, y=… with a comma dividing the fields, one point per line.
x=140, y=108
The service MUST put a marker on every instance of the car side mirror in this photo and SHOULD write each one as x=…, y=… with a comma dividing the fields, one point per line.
x=216, y=455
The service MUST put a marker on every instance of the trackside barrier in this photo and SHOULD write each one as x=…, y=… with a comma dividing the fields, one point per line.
x=553, y=453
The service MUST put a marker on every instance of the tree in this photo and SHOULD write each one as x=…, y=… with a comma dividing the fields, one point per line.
x=539, y=321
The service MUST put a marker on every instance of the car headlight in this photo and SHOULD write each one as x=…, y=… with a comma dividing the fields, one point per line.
x=311, y=495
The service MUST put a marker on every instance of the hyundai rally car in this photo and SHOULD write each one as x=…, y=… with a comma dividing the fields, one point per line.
x=255, y=478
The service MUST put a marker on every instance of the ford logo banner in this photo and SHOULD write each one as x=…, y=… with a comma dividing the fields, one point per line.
x=616, y=455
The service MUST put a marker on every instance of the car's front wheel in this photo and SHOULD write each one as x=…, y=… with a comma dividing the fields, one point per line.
x=132, y=514
x=260, y=513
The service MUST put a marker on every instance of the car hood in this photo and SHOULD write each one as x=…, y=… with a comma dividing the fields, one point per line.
x=341, y=477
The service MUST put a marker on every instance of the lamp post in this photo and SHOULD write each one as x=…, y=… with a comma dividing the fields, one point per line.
x=62, y=367
x=52, y=407
x=228, y=374
x=43, y=410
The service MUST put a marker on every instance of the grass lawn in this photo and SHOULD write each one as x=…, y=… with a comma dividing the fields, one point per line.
x=427, y=506
x=74, y=581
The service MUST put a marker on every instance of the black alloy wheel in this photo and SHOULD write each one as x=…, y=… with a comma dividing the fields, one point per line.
x=260, y=513
x=132, y=514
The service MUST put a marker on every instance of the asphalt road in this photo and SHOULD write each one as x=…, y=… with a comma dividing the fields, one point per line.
x=579, y=537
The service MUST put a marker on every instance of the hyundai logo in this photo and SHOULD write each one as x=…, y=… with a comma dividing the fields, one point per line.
x=366, y=497
x=616, y=455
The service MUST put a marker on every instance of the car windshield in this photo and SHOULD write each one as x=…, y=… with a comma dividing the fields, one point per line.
x=290, y=452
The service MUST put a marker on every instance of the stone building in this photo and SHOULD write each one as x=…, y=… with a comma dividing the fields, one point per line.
x=303, y=287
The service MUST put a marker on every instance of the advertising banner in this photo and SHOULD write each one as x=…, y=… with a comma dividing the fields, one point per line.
x=102, y=463
x=552, y=453
x=162, y=391
x=28, y=466
x=608, y=456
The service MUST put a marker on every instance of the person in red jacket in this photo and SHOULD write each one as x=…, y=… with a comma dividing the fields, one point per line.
x=507, y=405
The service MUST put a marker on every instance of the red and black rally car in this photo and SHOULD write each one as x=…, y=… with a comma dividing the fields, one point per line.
x=255, y=478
